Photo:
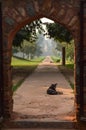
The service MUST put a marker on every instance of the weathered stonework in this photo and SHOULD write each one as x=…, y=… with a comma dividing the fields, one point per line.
x=16, y=14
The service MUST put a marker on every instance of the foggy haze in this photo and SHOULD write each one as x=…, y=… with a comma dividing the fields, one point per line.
x=47, y=45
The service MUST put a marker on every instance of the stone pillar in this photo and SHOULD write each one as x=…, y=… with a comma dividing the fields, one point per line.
x=81, y=70
x=1, y=67
x=83, y=42
x=7, y=78
x=77, y=78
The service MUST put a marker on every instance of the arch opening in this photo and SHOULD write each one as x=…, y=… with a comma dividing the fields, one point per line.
x=71, y=14
x=46, y=103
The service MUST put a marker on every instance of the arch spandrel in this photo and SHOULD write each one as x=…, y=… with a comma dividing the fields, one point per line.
x=17, y=14
x=14, y=14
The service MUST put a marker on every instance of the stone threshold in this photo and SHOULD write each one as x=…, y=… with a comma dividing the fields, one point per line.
x=40, y=124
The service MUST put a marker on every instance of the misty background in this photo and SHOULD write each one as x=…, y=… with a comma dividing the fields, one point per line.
x=45, y=46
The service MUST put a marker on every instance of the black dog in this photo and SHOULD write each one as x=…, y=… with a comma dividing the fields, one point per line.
x=52, y=89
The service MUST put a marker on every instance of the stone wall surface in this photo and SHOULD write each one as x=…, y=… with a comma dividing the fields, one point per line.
x=16, y=14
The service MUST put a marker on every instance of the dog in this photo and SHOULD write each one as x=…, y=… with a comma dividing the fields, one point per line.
x=52, y=89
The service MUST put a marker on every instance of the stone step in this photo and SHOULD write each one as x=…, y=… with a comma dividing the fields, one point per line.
x=39, y=129
x=26, y=124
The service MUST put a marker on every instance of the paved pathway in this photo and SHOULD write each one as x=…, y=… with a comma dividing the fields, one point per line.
x=32, y=102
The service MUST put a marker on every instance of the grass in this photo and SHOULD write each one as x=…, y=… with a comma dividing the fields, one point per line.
x=69, y=64
x=56, y=59
x=67, y=71
x=22, y=62
x=21, y=69
x=16, y=86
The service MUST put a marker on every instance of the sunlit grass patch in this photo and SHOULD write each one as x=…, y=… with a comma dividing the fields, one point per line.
x=23, y=62
x=70, y=66
x=56, y=59
x=21, y=69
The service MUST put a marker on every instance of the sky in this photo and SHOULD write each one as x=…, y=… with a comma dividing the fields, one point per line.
x=46, y=20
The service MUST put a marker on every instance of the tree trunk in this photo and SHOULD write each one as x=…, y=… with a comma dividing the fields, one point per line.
x=63, y=56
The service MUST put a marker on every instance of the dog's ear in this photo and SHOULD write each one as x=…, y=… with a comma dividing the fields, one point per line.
x=56, y=84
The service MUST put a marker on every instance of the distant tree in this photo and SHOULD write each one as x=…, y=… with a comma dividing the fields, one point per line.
x=38, y=51
x=28, y=48
x=70, y=51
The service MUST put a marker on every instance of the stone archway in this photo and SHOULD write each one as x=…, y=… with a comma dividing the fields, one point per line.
x=16, y=15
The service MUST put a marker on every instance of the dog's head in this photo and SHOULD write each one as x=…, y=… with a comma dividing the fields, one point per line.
x=53, y=86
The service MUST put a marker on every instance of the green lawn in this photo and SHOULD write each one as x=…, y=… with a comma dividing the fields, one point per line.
x=22, y=68
x=22, y=62
x=56, y=59
x=69, y=64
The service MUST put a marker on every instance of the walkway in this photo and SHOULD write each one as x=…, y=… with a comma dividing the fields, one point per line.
x=32, y=102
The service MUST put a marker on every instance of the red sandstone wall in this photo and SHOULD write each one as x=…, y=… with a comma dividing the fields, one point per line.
x=18, y=13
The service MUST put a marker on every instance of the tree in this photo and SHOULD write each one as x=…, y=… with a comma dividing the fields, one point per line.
x=61, y=34
x=58, y=32
x=70, y=51
x=38, y=51
x=28, y=32
x=28, y=48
